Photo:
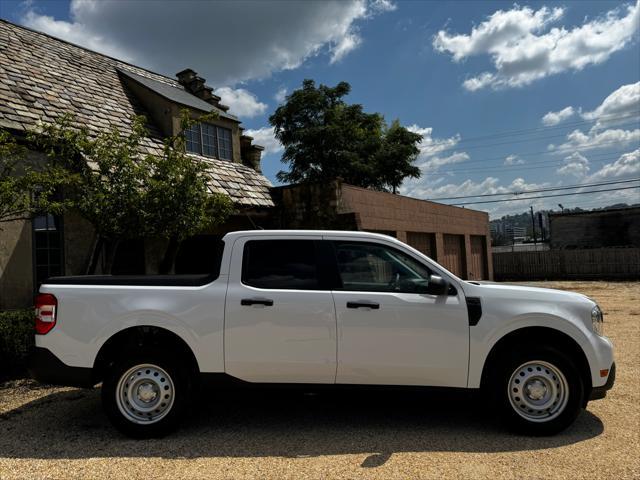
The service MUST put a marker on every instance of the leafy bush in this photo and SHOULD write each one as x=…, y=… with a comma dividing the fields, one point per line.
x=16, y=340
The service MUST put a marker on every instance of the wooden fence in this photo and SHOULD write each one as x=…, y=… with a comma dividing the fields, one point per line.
x=611, y=263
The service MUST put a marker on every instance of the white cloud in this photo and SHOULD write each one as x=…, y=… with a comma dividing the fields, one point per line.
x=467, y=188
x=430, y=158
x=434, y=153
x=523, y=47
x=77, y=33
x=575, y=164
x=595, y=139
x=433, y=190
x=346, y=44
x=264, y=136
x=513, y=160
x=430, y=146
x=380, y=6
x=554, y=118
x=627, y=164
x=432, y=164
x=621, y=105
x=281, y=95
x=242, y=102
x=225, y=41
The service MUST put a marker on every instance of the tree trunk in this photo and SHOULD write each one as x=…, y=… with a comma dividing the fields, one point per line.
x=98, y=243
x=111, y=249
x=169, y=256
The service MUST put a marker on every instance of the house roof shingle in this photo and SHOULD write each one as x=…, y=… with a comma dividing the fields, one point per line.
x=42, y=78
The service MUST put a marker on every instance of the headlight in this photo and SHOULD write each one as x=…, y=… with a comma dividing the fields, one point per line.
x=597, y=320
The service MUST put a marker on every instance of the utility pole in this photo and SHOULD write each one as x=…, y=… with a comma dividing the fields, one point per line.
x=533, y=224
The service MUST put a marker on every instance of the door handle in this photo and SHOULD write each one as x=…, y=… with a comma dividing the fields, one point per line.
x=371, y=305
x=256, y=301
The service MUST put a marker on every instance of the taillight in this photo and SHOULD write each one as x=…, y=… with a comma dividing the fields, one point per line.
x=46, y=306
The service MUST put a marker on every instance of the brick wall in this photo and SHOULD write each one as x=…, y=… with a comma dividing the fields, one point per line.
x=421, y=224
x=380, y=211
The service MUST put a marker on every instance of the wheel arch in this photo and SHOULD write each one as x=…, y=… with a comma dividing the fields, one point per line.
x=542, y=335
x=139, y=337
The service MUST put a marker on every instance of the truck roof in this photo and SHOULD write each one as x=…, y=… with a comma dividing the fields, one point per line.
x=342, y=233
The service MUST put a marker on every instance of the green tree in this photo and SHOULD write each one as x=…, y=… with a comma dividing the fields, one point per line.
x=395, y=160
x=324, y=138
x=178, y=202
x=27, y=190
x=125, y=194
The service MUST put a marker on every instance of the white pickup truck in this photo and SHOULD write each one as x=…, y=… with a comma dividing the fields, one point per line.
x=320, y=307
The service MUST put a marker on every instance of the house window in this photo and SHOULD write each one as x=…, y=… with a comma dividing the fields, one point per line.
x=192, y=137
x=47, y=248
x=224, y=142
x=209, y=140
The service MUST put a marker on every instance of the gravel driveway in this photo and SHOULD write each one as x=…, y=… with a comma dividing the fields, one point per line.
x=62, y=433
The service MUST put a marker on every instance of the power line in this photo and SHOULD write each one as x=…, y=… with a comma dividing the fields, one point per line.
x=546, y=137
x=542, y=152
x=546, y=196
x=549, y=189
x=525, y=131
x=525, y=166
x=547, y=152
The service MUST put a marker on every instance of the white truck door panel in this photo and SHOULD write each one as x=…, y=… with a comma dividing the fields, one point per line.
x=278, y=335
x=409, y=339
x=389, y=335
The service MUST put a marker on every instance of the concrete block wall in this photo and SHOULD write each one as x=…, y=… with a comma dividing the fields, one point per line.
x=380, y=211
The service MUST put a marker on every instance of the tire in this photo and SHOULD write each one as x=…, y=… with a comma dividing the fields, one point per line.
x=538, y=391
x=145, y=395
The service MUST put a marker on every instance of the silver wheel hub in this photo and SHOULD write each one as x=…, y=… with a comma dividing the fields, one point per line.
x=535, y=389
x=145, y=394
x=538, y=391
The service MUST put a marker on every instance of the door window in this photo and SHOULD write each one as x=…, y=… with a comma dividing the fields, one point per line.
x=280, y=264
x=371, y=267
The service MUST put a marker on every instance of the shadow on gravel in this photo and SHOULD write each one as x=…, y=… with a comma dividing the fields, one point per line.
x=71, y=425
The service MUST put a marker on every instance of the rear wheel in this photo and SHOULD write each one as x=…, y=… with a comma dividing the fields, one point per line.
x=145, y=396
x=539, y=391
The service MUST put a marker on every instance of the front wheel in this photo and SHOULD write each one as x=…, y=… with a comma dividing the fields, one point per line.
x=538, y=391
x=145, y=396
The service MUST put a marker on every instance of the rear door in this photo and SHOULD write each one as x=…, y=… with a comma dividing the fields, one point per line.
x=388, y=334
x=280, y=323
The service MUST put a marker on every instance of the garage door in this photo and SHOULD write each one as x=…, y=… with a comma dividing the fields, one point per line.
x=478, y=260
x=423, y=242
x=453, y=255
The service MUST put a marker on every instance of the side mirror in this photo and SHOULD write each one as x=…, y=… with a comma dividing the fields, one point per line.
x=437, y=285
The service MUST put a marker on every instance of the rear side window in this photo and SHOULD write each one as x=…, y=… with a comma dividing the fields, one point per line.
x=281, y=264
x=200, y=254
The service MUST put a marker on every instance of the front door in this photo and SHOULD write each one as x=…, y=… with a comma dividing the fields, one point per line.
x=280, y=323
x=388, y=333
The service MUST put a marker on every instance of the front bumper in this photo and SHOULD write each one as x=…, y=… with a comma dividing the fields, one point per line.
x=45, y=367
x=600, y=392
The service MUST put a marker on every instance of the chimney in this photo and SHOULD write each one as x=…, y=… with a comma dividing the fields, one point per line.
x=250, y=154
x=196, y=85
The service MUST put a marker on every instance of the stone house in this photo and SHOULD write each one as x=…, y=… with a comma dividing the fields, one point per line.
x=42, y=77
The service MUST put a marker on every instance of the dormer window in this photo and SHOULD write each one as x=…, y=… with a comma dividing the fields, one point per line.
x=209, y=140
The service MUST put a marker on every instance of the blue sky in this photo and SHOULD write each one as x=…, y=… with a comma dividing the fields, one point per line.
x=421, y=62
